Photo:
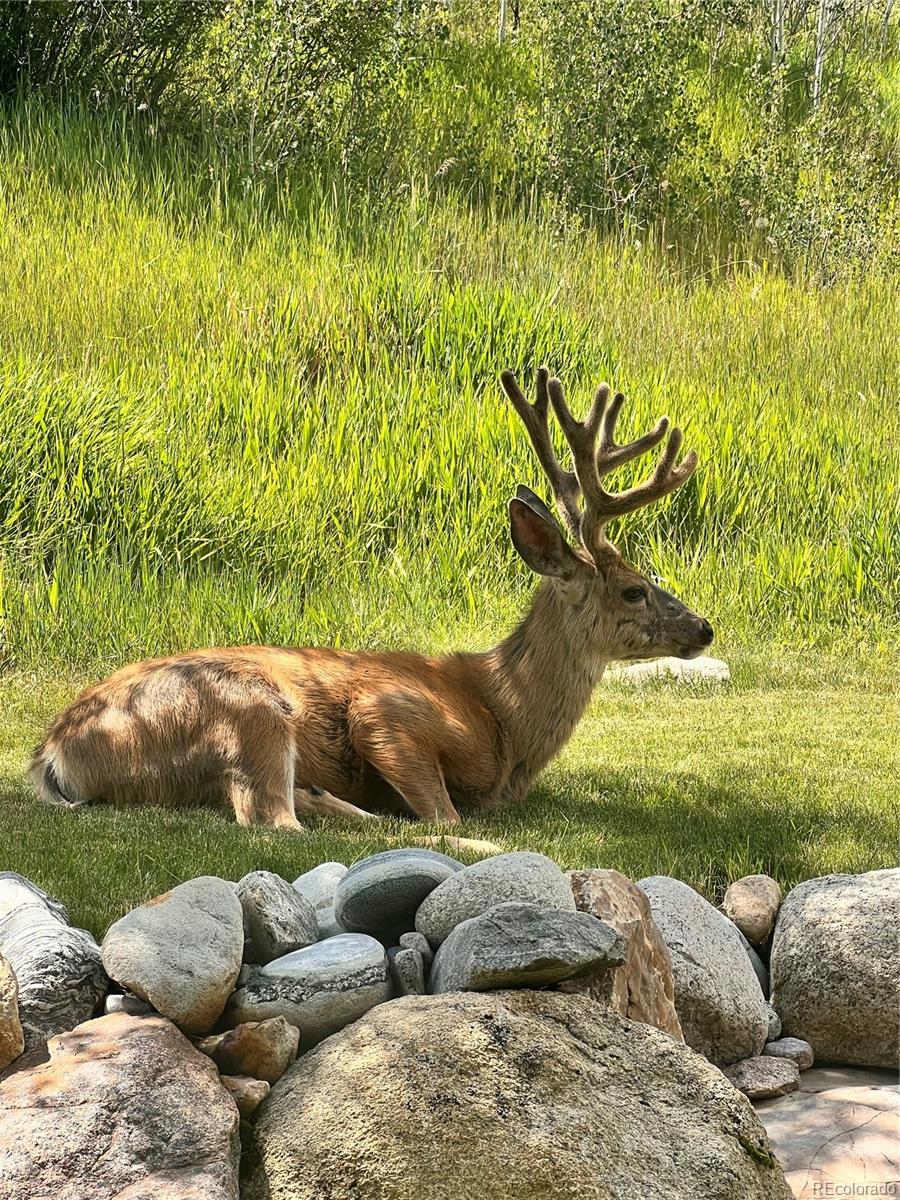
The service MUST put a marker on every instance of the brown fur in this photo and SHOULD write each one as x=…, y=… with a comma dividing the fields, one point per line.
x=273, y=732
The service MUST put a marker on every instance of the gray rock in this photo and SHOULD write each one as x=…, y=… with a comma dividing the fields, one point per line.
x=380, y=895
x=836, y=966
x=506, y=1094
x=521, y=877
x=60, y=978
x=277, y=918
x=407, y=971
x=133, y=1005
x=761, y=1077
x=319, y=989
x=418, y=941
x=12, y=1039
x=752, y=903
x=522, y=945
x=760, y=970
x=318, y=886
x=717, y=995
x=125, y=1109
x=181, y=952
x=795, y=1048
x=774, y=1024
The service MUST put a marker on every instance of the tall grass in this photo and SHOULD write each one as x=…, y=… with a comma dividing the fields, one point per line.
x=233, y=418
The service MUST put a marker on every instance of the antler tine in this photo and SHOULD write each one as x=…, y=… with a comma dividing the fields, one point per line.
x=612, y=456
x=535, y=418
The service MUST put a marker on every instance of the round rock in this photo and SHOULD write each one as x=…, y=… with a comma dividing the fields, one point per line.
x=521, y=877
x=794, y=1048
x=760, y=1077
x=380, y=895
x=319, y=886
x=320, y=989
x=753, y=903
x=181, y=952
x=277, y=918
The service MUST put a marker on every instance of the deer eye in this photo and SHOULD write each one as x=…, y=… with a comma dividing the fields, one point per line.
x=634, y=594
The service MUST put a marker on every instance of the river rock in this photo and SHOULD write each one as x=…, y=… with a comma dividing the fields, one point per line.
x=642, y=987
x=521, y=877
x=836, y=966
x=761, y=1077
x=506, y=1094
x=263, y=1049
x=277, y=918
x=12, y=1040
x=181, y=951
x=133, y=1005
x=407, y=971
x=753, y=903
x=125, y=1109
x=319, y=886
x=418, y=941
x=60, y=978
x=774, y=1031
x=522, y=945
x=380, y=894
x=247, y=1093
x=320, y=989
x=717, y=995
x=794, y=1048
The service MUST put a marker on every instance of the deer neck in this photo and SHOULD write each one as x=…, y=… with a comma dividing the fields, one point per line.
x=540, y=679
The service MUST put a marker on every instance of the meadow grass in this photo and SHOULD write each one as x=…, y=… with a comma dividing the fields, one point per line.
x=228, y=418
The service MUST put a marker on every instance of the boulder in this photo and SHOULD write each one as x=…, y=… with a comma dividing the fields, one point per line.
x=12, y=1040
x=125, y=1109
x=380, y=895
x=794, y=1048
x=488, y=1096
x=839, y=1134
x=277, y=918
x=522, y=945
x=247, y=1093
x=761, y=1077
x=60, y=978
x=836, y=966
x=181, y=951
x=642, y=987
x=753, y=903
x=717, y=996
x=407, y=971
x=320, y=989
x=263, y=1049
x=521, y=877
x=319, y=886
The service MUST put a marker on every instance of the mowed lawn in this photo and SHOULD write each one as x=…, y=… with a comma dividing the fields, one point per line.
x=790, y=769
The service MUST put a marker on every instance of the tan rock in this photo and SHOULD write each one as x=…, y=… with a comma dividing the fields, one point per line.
x=12, y=1040
x=488, y=1096
x=753, y=903
x=125, y=1109
x=247, y=1093
x=839, y=1135
x=763, y=1076
x=642, y=988
x=262, y=1049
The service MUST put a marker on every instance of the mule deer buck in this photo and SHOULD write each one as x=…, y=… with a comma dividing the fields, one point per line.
x=275, y=732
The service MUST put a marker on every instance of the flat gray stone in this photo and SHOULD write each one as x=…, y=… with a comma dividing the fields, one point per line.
x=761, y=1077
x=407, y=971
x=521, y=877
x=718, y=997
x=181, y=951
x=60, y=978
x=318, y=886
x=380, y=895
x=134, y=1006
x=522, y=945
x=320, y=989
x=836, y=966
x=277, y=918
x=418, y=941
x=794, y=1048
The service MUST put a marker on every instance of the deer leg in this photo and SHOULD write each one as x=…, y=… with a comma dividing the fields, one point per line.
x=322, y=803
x=259, y=779
x=420, y=784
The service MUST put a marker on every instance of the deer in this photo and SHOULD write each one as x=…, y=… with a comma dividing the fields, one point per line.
x=275, y=732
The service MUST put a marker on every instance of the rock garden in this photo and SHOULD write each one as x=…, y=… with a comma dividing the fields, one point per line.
x=412, y=1027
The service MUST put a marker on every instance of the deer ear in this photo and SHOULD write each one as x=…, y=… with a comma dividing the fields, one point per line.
x=540, y=543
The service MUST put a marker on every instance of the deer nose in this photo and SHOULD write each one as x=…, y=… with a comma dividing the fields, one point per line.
x=706, y=632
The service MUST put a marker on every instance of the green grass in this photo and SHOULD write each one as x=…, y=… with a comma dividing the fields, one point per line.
x=788, y=770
